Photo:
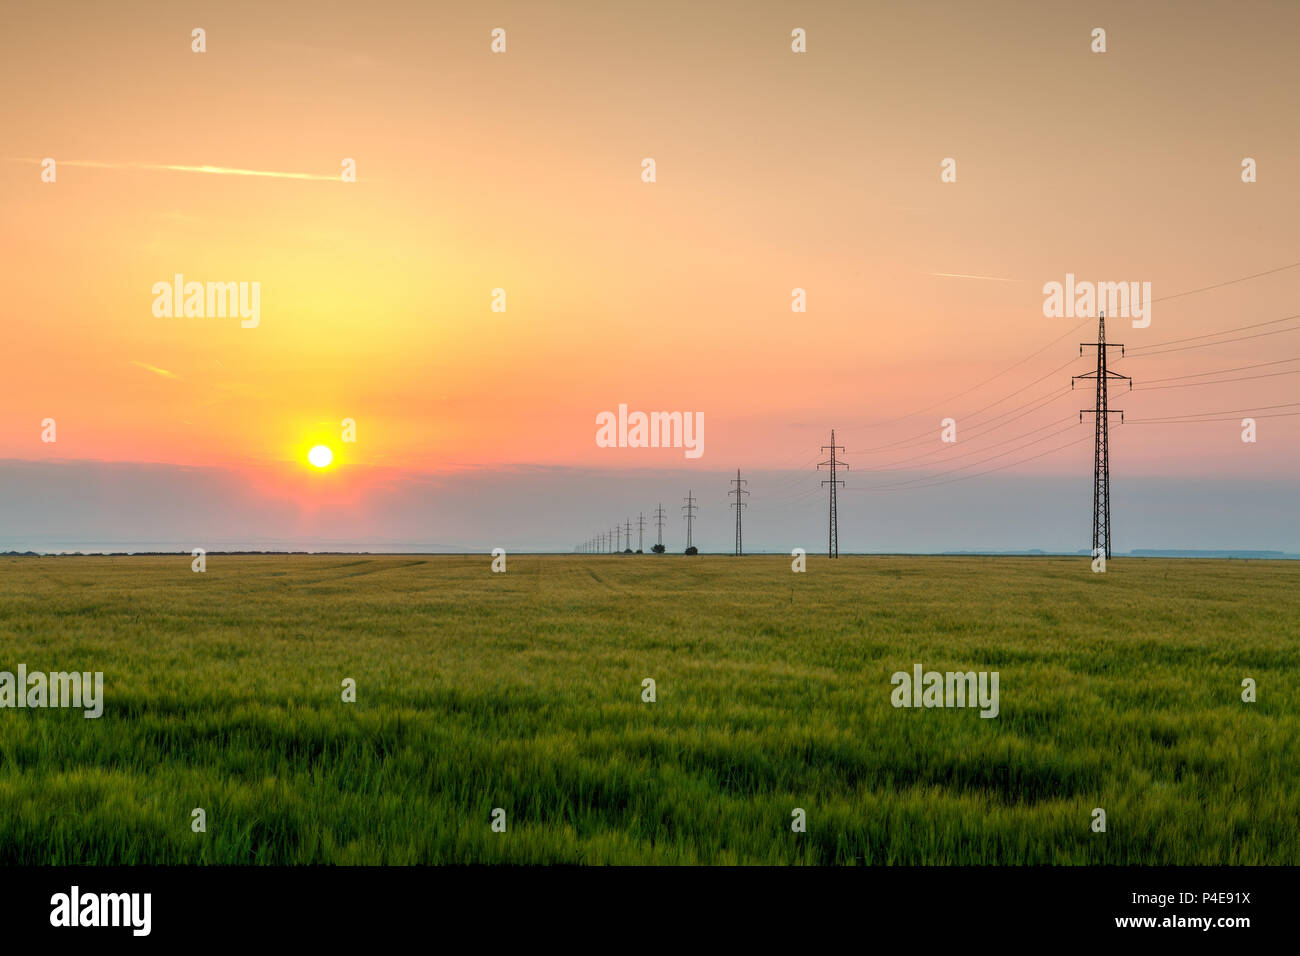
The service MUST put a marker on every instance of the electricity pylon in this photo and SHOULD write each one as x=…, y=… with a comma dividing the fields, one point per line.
x=640, y=531
x=659, y=520
x=690, y=508
x=1101, y=444
x=738, y=505
x=833, y=545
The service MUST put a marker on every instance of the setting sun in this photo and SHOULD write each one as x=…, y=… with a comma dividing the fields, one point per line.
x=320, y=456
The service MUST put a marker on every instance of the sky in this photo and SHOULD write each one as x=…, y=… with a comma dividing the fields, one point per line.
x=522, y=171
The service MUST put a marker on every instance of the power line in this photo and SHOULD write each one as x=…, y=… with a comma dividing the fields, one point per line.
x=1027, y=409
x=990, y=471
x=793, y=475
x=1220, y=285
x=1198, y=421
x=927, y=436
x=1221, y=381
x=925, y=478
x=1240, y=338
x=1053, y=372
x=976, y=451
x=929, y=432
x=1198, y=416
x=793, y=495
x=1101, y=449
x=991, y=378
x=1069, y=332
x=1101, y=469
x=795, y=500
x=1224, y=371
x=1209, y=335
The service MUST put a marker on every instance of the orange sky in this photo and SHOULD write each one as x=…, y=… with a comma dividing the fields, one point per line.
x=522, y=171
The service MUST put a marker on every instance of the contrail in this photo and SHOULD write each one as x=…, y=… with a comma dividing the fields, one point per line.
x=157, y=371
x=228, y=171
x=958, y=275
x=168, y=167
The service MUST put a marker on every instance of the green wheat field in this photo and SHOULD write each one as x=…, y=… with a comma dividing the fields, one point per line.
x=522, y=690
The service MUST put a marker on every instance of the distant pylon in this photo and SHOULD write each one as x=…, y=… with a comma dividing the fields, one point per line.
x=618, y=532
x=627, y=536
x=690, y=509
x=640, y=531
x=1101, y=443
x=659, y=520
x=738, y=505
x=833, y=545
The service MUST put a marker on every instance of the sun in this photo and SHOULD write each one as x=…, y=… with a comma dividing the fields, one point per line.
x=320, y=456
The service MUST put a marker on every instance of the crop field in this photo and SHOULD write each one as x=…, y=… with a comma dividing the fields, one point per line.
x=523, y=691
